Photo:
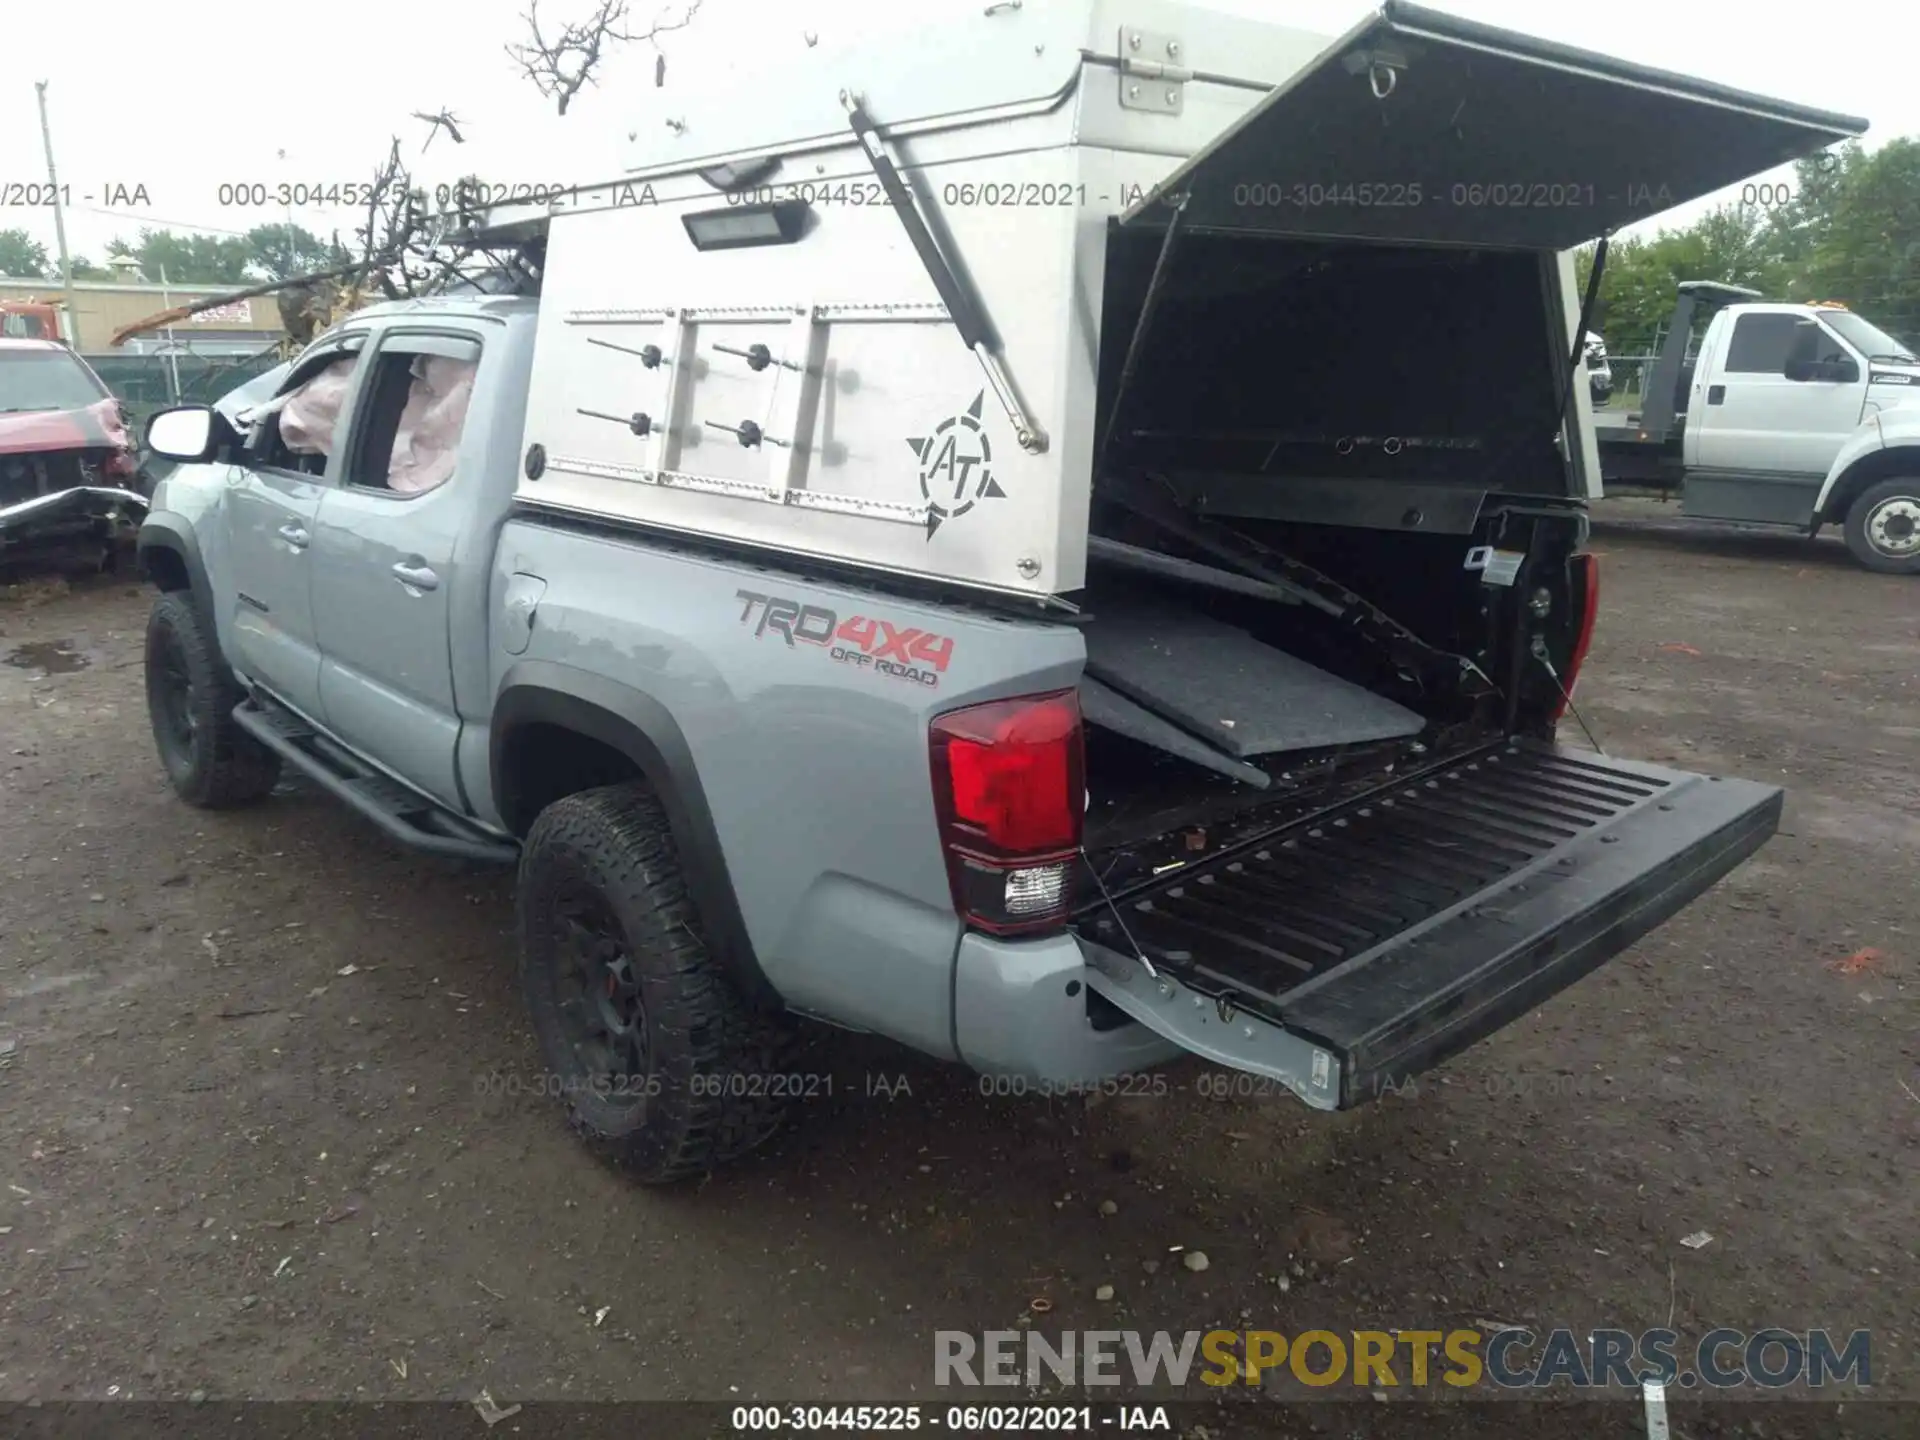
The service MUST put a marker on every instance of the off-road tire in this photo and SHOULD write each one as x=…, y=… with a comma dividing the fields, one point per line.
x=712, y=1090
x=1861, y=512
x=211, y=762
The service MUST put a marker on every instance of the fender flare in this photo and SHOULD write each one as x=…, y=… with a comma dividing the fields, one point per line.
x=642, y=729
x=163, y=530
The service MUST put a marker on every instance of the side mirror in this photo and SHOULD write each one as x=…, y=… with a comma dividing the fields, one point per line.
x=1845, y=370
x=184, y=433
x=1800, y=370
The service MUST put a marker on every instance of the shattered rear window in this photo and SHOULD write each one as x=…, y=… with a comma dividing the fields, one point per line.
x=46, y=380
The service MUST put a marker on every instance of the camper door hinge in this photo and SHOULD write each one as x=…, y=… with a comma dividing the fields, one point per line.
x=1153, y=72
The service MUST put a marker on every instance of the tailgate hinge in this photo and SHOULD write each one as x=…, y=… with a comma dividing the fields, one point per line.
x=1151, y=75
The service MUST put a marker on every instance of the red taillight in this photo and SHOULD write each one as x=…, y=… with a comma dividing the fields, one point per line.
x=1586, y=582
x=1009, y=787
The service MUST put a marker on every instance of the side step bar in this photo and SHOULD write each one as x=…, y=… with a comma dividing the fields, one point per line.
x=405, y=814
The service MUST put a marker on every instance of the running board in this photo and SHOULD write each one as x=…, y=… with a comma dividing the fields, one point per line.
x=404, y=813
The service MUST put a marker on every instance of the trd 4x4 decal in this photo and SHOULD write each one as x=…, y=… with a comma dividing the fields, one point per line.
x=903, y=652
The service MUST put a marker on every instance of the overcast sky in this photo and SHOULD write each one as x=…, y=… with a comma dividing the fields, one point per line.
x=218, y=89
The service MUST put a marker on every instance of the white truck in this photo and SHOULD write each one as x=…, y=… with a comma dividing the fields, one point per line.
x=1788, y=415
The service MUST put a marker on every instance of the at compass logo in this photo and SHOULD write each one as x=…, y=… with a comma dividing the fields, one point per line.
x=956, y=466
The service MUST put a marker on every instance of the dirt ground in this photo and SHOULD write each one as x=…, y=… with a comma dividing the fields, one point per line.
x=267, y=1126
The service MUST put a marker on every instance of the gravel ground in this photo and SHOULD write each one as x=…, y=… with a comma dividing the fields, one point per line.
x=268, y=1129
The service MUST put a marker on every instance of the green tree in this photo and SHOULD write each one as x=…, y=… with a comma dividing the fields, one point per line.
x=1797, y=226
x=1729, y=245
x=21, y=256
x=188, y=259
x=281, y=251
x=1867, y=253
x=1849, y=231
x=85, y=269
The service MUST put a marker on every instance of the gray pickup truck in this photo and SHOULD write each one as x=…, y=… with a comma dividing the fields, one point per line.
x=739, y=790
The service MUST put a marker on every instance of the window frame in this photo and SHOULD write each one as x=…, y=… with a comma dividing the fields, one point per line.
x=310, y=362
x=450, y=336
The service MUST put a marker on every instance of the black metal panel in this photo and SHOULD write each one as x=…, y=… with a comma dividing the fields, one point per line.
x=1424, y=127
x=1115, y=712
x=1434, y=509
x=1226, y=687
x=1757, y=499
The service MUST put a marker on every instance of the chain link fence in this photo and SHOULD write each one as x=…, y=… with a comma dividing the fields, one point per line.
x=146, y=383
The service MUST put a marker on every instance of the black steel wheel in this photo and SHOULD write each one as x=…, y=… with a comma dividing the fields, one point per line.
x=663, y=1067
x=211, y=762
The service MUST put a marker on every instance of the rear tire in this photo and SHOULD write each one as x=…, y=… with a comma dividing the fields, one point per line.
x=1883, y=527
x=663, y=1068
x=211, y=762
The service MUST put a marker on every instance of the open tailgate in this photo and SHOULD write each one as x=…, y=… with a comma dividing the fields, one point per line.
x=1421, y=127
x=1348, y=951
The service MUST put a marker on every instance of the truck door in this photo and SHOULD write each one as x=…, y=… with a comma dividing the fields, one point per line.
x=272, y=495
x=386, y=557
x=1775, y=402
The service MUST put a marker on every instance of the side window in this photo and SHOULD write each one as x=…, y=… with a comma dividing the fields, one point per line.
x=1814, y=344
x=297, y=429
x=412, y=413
x=1761, y=344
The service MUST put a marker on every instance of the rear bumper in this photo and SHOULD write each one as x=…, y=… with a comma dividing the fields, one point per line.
x=1557, y=862
x=1019, y=1012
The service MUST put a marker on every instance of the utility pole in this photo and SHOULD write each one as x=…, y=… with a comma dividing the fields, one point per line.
x=59, y=220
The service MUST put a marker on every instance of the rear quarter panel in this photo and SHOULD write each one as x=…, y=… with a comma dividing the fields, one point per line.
x=815, y=768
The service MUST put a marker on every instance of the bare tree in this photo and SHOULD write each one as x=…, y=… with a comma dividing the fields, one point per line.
x=563, y=62
x=410, y=243
x=446, y=120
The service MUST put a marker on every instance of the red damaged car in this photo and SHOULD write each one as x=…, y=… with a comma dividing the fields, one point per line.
x=69, y=478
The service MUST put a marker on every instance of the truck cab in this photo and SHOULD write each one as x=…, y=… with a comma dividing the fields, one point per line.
x=1778, y=389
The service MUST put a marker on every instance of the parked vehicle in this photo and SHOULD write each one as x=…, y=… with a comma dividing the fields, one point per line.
x=30, y=320
x=1599, y=371
x=1799, y=416
x=69, y=479
x=900, y=595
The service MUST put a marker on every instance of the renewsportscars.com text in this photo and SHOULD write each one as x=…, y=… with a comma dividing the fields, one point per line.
x=1389, y=1359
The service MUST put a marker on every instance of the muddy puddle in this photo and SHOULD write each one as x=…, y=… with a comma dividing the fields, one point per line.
x=50, y=657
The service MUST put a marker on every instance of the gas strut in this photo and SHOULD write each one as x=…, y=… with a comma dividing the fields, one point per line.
x=969, y=317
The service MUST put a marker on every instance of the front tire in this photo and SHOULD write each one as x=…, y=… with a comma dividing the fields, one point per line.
x=1883, y=527
x=212, y=763
x=664, y=1069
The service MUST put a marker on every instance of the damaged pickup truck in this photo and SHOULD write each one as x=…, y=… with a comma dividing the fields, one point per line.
x=68, y=474
x=988, y=560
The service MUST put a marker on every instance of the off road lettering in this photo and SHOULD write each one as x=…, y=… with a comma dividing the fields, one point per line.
x=904, y=652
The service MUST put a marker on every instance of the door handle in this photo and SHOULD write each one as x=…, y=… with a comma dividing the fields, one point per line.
x=419, y=577
x=294, y=535
x=1716, y=394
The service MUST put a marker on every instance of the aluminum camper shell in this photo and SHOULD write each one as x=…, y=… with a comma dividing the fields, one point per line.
x=753, y=336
